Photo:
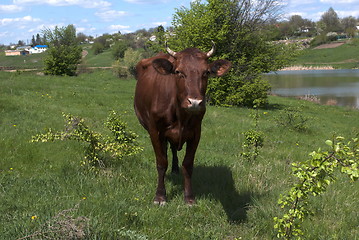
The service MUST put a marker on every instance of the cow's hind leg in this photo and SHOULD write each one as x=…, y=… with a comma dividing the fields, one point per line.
x=175, y=168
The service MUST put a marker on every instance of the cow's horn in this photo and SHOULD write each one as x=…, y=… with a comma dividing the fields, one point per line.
x=210, y=53
x=170, y=52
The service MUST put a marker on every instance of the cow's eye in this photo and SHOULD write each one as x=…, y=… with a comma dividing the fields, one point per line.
x=179, y=73
x=206, y=73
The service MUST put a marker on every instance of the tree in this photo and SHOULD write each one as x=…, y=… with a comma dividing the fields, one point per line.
x=331, y=21
x=38, y=39
x=81, y=37
x=119, y=48
x=33, y=41
x=238, y=29
x=349, y=25
x=64, y=52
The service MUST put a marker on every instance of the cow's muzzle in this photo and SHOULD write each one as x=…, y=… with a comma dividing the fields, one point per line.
x=195, y=104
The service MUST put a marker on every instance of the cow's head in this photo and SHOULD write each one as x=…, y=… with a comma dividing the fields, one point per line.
x=191, y=70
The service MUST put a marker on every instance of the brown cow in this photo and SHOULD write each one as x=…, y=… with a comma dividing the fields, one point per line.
x=170, y=105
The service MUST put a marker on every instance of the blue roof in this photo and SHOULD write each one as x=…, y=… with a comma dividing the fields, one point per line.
x=41, y=46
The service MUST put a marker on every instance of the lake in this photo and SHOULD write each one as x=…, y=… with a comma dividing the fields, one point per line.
x=332, y=87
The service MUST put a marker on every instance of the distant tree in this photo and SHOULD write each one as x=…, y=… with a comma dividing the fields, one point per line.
x=349, y=25
x=39, y=40
x=331, y=21
x=64, y=52
x=33, y=41
x=81, y=37
x=119, y=48
x=97, y=48
x=237, y=28
x=20, y=43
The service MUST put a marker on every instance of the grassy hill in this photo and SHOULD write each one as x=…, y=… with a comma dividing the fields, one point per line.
x=43, y=186
x=345, y=56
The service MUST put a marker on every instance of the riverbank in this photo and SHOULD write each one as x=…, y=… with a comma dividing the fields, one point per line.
x=297, y=68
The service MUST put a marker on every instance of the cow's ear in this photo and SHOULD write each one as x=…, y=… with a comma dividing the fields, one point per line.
x=220, y=67
x=163, y=66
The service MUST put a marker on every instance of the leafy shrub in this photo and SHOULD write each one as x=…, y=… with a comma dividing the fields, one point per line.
x=62, y=60
x=119, y=49
x=238, y=91
x=64, y=53
x=293, y=119
x=314, y=176
x=97, y=48
x=122, y=143
x=253, y=141
x=323, y=38
x=126, y=67
x=253, y=138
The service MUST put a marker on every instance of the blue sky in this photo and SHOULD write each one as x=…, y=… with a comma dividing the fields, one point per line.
x=20, y=19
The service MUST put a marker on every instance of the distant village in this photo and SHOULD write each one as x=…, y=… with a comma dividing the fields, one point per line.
x=25, y=50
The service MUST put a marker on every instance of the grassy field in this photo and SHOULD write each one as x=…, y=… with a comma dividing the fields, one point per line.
x=344, y=56
x=44, y=190
x=32, y=61
x=36, y=61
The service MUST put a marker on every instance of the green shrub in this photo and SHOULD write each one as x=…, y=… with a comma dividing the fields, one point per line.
x=314, y=176
x=64, y=53
x=97, y=48
x=293, y=119
x=238, y=91
x=119, y=49
x=62, y=60
x=126, y=67
x=122, y=143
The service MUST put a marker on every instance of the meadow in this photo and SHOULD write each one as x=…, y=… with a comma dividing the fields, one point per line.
x=44, y=191
x=342, y=57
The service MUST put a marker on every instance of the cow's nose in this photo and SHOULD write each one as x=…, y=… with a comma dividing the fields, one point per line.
x=194, y=103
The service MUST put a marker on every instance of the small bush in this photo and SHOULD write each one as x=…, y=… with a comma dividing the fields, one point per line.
x=97, y=48
x=119, y=49
x=293, y=119
x=239, y=91
x=126, y=67
x=122, y=143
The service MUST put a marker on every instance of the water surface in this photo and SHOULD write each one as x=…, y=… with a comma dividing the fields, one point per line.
x=340, y=87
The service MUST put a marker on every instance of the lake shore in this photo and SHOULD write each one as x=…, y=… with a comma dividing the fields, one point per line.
x=297, y=68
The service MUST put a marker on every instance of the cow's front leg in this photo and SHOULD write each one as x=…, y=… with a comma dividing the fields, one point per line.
x=187, y=169
x=160, y=147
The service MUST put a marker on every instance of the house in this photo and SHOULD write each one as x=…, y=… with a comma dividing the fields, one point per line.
x=38, y=49
x=16, y=52
x=13, y=52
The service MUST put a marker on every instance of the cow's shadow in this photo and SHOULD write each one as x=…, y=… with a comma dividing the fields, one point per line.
x=217, y=182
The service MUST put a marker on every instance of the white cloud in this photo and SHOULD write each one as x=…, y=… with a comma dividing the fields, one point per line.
x=22, y=21
x=159, y=23
x=110, y=15
x=81, y=3
x=10, y=8
x=118, y=27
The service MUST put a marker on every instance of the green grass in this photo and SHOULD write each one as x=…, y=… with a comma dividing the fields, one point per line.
x=104, y=59
x=342, y=57
x=32, y=61
x=236, y=198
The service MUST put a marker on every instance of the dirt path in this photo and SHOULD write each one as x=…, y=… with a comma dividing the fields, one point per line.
x=329, y=45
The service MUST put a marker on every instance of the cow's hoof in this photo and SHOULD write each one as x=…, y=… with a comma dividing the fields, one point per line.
x=190, y=201
x=160, y=200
